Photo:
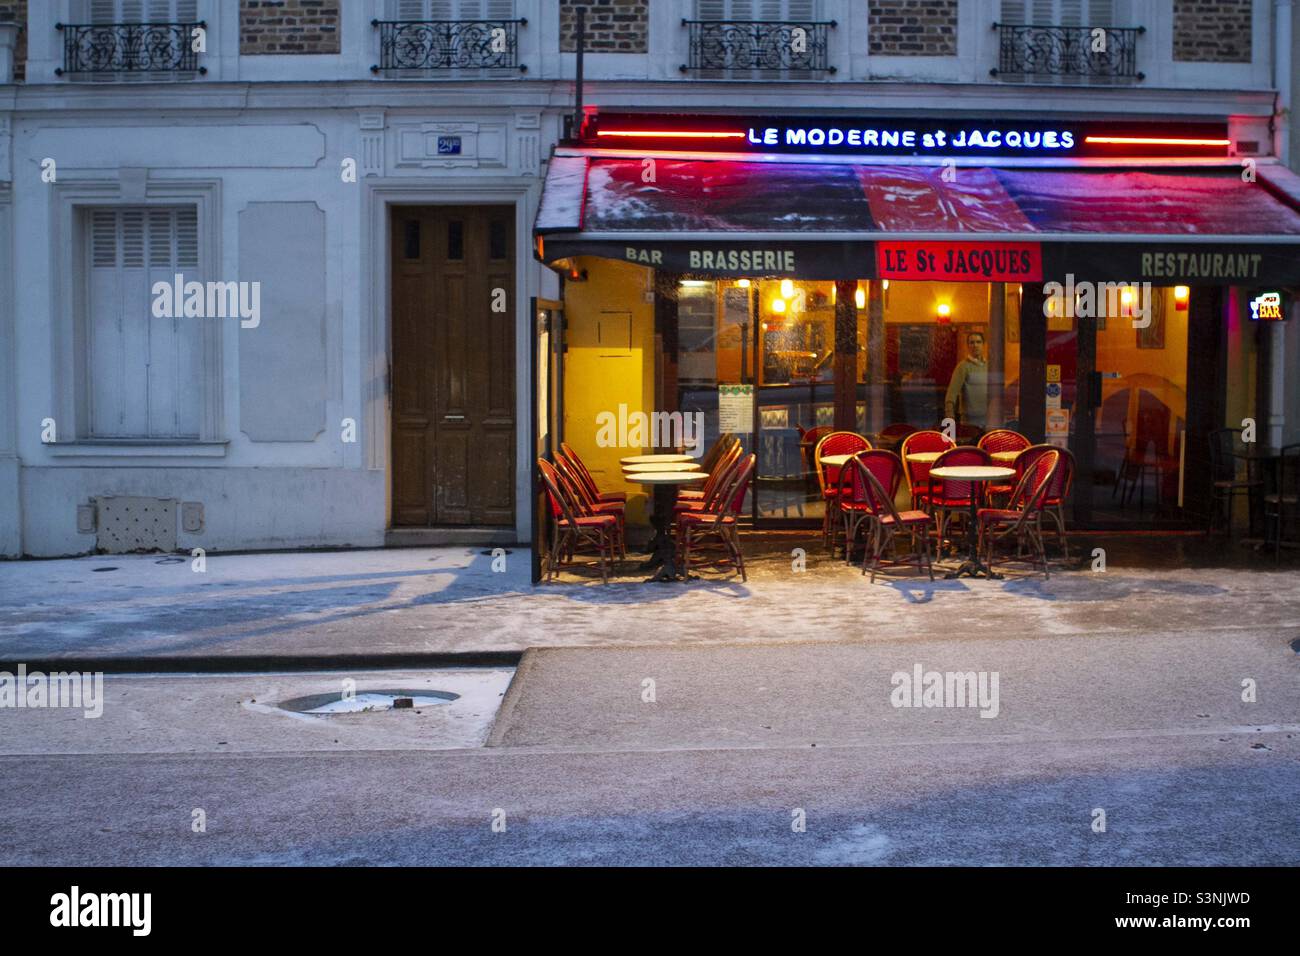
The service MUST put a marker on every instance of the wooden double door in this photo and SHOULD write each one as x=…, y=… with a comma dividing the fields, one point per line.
x=453, y=366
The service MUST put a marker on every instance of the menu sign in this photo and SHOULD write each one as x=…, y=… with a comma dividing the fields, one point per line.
x=960, y=261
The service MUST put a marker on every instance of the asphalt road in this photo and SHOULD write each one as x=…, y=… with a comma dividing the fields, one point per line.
x=738, y=744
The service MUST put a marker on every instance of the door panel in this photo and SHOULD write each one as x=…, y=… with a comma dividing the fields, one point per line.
x=453, y=366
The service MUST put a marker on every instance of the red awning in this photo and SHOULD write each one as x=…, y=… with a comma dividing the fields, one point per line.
x=652, y=210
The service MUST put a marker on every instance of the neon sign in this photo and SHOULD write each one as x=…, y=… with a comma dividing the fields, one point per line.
x=1266, y=307
x=921, y=140
x=897, y=136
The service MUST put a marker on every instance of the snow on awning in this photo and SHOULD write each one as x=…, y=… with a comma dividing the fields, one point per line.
x=719, y=217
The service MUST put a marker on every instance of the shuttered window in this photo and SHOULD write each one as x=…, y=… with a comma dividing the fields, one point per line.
x=749, y=46
x=454, y=10
x=1060, y=13
x=471, y=10
x=140, y=11
x=143, y=374
x=1064, y=13
x=755, y=9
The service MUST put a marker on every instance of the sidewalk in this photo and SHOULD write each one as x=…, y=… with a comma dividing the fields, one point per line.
x=417, y=606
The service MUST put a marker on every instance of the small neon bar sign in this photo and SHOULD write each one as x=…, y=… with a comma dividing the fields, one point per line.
x=1267, y=307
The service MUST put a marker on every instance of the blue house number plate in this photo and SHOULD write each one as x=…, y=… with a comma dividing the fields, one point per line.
x=448, y=145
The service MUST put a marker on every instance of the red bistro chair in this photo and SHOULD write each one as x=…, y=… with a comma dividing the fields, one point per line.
x=946, y=497
x=585, y=475
x=828, y=478
x=888, y=522
x=720, y=522
x=721, y=447
x=1055, y=497
x=584, y=504
x=854, y=498
x=1001, y=440
x=1023, y=518
x=891, y=436
x=571, y=531
x=693, y=499
x=918, y=473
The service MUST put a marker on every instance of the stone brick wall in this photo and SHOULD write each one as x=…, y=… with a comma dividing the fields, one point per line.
x=1212, y=31
x=16, y=10
x=288, y=26
x=912, y=27
x=613, y=26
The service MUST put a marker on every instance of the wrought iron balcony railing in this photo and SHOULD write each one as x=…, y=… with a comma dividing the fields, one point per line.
x=129, y=48
x=448, y=45
x=765, y=46
x=1085, y=53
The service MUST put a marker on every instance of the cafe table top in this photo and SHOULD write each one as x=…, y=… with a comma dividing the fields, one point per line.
x=667, y=477
x=1005, y=455
x=923, y=457
x=661, y=466
x=653, y=459
x=836, y=461
x=972, y=473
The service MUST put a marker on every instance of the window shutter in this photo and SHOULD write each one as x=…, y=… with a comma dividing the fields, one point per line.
x=143, y=372
x=1101, y=13
x=1014, y=12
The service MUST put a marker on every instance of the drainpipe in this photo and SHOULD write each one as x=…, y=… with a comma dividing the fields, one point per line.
x=577, y=86
x=1282, y=78
x=8, y=43
x=1275, y=374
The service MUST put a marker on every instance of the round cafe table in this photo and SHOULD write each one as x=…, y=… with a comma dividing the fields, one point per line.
x=1007, y=457
x=924, y=457
x=837, y=461
x=977, y=475
x=653, y=459
x=665, y=484
x=660, y=466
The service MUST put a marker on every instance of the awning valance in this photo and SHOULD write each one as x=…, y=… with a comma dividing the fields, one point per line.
x=721, y=217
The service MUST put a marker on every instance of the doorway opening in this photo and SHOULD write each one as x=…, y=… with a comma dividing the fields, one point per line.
x=453, y=366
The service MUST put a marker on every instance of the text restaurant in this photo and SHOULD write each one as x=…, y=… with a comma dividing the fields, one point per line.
x=1104, y=287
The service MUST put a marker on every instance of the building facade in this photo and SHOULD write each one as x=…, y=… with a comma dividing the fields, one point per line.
x=268, y=267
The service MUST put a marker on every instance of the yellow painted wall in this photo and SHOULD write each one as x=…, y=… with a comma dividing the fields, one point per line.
x=610, y=361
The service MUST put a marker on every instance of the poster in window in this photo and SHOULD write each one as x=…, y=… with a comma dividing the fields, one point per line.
x=735, y=306
x=1153, y=336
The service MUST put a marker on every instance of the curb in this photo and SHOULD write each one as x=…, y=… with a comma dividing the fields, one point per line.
x=266, y=663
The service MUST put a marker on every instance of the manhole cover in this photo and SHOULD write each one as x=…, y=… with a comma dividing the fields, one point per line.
x=367, y=701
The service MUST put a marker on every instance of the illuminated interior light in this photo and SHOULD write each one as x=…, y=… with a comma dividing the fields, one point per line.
x=833, y=293
x=860, y=298
x=1154, y=141
x=945, y=310
x=743, y=283
x=669, y=134
x=778, y=305
x=886, y=285
x=787, y=289
x=695, y=283
x=1126, y=296
x=1181, y=294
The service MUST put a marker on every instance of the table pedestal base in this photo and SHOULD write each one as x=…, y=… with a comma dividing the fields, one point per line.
x=972, y=567
x=665, y=548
